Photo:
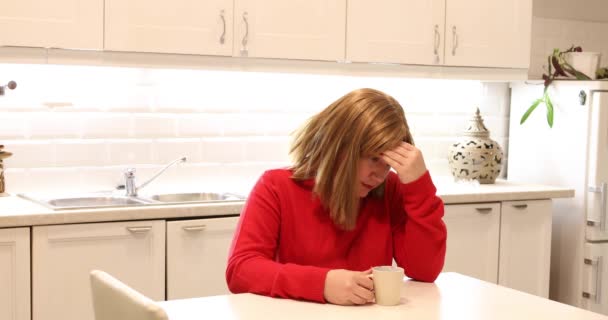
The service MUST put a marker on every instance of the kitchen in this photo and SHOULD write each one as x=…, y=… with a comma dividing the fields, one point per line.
x=82, y=116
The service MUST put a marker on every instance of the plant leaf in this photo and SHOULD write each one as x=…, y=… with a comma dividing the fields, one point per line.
x=581, y=76
x=550, y=110
x=558, y=69
x=529, y=111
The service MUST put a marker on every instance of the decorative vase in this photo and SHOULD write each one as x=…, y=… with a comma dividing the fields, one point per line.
x=3, y=155
x=475, y=156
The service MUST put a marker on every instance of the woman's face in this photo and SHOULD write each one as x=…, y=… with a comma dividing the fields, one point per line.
x=372, y=172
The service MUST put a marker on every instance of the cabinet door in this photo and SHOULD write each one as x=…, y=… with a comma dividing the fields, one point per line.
x=192, y=27
x=488, y=33
x=594, y=277
x=15, y=274
x=64, y=255
x=295, y=29
x=472, y=245
x=525, y=246
x=197, y=252
x=72, y=24
x=395, y=31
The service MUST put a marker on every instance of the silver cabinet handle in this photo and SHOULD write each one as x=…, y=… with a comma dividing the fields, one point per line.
x=139, y=229
x=454, y=40
x=602, y=190
x=520, y=206
x=598, y=279
x=483, y=210
x=436, y=43
x=195, y=228
x=246, y=36
x=223, y=36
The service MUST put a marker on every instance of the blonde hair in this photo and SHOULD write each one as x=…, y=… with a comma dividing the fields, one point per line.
x=328, y=147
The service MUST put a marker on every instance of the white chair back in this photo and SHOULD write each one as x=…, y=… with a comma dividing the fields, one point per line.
x=114, y=300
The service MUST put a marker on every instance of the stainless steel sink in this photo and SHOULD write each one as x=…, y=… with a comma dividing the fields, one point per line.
x=109, y=200
x=94, y=201
x=196, y=197
x=85, y=201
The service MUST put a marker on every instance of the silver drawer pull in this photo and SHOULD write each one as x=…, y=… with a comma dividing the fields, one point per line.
x=603, y=191
x=139, y=229
x=483, y=210
x=223, y=36
x=598, y=279
x=520, y=206
x=195, y=228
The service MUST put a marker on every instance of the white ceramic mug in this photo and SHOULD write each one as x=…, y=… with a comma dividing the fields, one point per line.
x=388, y=281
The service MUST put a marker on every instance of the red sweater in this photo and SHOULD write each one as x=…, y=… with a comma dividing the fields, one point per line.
x=285, y=242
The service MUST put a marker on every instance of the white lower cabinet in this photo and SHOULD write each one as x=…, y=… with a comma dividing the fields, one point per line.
x=63, y=256
x=473, y=235
x=15, y=274
x=508, y=243
x=525, y=246
x=197, y=252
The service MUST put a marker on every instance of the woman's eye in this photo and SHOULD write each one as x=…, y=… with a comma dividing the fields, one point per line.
x=375, y=159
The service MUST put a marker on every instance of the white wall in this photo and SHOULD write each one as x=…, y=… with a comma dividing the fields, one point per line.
x=78, y=128
x=550, y=33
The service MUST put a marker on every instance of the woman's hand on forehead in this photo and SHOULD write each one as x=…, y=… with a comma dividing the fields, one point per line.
x=407, y=161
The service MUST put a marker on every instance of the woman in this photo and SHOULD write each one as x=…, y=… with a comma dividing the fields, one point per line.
x=313, y=231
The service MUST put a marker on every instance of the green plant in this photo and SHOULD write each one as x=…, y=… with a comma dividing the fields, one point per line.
x=556, y=67
x=602, y=73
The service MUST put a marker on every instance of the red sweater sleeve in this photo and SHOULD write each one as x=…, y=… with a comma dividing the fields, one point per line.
x=419, y=233
x=252, y=265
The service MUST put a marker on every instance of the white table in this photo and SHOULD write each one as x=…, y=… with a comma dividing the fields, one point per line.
x=452, y=296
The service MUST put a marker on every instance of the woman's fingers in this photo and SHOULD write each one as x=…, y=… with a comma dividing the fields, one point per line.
x=394, y=164
x=365, y=295
x=356, y=299
x=365, y=281
x=407, y=146
x=398, y=159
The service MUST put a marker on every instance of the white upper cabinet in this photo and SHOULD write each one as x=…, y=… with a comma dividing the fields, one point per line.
x=70, y=24
x=295, y=29
x=178, y=26
x=488, y=33
x=396, y=31
x=472, y=33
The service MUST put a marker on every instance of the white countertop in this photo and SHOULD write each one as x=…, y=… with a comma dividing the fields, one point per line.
x=16, y=211
x=468, y=192
x=452, y=296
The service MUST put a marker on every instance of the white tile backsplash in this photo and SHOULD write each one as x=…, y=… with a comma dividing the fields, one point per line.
x=12, y=125
x=167, y=150
x=82, y=126
x=29, y=153
x=81, y=153
x=130, y=152
x=54, y=125
x=154, y=125
x=106, y=125
x=267, y=149
x=223, y=150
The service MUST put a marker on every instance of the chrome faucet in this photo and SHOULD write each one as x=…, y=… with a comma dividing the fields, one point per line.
x=130, y=185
